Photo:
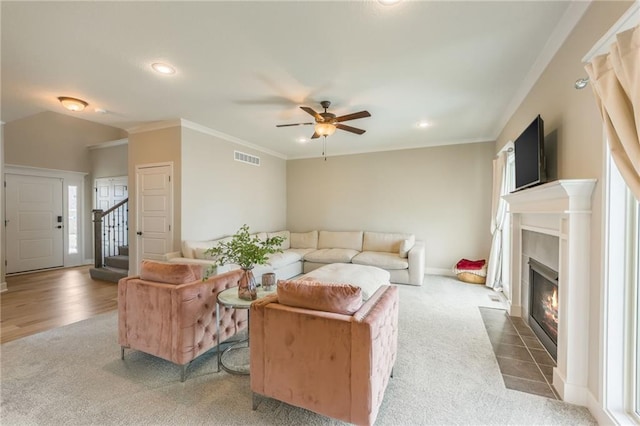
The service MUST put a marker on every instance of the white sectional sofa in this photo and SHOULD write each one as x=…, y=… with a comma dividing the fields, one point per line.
x=398, y=253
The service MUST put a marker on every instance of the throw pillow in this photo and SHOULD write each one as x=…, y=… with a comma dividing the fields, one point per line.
x=169, y=273
x=407, y=245
x=343, y=299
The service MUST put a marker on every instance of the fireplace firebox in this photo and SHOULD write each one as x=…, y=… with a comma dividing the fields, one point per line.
x=543, y=305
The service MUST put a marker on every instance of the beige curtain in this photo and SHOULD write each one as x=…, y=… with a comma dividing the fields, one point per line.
x=615, y=79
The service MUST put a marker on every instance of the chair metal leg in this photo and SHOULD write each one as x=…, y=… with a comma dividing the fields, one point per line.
x=392, y=372
x=256, y=400
x=122, y=352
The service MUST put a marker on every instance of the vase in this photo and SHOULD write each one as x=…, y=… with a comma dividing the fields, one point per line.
x=247, y=289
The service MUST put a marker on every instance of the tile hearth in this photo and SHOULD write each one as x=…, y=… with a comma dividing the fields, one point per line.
x=524, y=363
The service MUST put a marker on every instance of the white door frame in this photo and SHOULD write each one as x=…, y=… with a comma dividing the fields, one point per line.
x=69, y=178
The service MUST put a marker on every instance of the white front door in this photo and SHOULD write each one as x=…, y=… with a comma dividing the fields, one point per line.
x=154, y=206
x=34, y=223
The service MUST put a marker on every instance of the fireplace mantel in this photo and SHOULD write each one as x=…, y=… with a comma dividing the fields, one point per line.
x=561, y=208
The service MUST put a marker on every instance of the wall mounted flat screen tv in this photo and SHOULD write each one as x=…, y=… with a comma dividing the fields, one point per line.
x=529, y=156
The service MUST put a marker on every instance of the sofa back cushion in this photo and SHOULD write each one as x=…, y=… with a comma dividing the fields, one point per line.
x=286, y=244
x=340, y=239
x=169, y=273
x=343, y=299
x=389, y=242
x=304, y=240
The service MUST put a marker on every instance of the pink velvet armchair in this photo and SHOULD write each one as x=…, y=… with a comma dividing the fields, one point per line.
x=334, y=364
x=170, y=312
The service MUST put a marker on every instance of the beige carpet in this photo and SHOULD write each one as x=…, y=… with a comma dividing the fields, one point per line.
x=446, y=373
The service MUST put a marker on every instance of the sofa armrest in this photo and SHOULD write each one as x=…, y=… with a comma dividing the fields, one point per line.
x=416, y=260
x=173, y=254
x=374, y=348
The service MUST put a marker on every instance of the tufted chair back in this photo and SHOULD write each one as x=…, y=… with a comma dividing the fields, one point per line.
x=334, y=364
x=175, y=320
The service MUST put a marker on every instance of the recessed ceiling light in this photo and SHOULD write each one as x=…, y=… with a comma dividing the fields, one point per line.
x=301, y=140
x=72, y=104
x=388, y=2
x=100, y=110
x=423, y=124
x=163, y=68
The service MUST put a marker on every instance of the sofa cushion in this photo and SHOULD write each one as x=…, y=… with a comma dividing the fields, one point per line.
x=407, y=245
x=337, y=298
x=304, y=240
x=383, y=241
x=169, y=273
x=286, y=244
x=331, y=255
x=381, y=260
x=287, y=257
x=342, y=240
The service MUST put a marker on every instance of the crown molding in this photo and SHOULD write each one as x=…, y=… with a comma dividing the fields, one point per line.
x=397, y=148
x=155, y=125
x=211, y=132
x=109, y=144
x=567, y=23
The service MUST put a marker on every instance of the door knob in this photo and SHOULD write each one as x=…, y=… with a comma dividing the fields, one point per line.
x=139, y=233
x=59, y=226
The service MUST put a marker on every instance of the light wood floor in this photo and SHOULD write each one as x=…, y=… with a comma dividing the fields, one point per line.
x=40, y=301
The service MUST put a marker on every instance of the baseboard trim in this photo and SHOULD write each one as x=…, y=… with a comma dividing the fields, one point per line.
x=439, y=271
x=3, y=287
x=595, y=407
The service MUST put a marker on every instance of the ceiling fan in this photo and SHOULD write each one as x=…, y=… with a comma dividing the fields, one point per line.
x=326, y=123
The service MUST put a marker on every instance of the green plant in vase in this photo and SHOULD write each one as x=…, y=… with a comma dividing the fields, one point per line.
x=246, y=251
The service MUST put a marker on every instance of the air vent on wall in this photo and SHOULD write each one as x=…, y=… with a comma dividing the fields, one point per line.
x=246, y=158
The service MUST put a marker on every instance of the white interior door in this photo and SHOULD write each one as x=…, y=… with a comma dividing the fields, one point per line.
x=110, y=191
x=154, y=206
x=34, y=223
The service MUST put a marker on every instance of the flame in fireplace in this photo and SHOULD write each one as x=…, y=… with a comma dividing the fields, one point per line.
x=550, y=307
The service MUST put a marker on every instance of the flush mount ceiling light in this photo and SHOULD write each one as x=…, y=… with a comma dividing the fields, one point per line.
x=72, y=104
x=423, y=124
x=325, y=129
x=388, y=2
x=163, y=68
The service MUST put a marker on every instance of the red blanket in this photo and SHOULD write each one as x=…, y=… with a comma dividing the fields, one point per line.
x=470, y=264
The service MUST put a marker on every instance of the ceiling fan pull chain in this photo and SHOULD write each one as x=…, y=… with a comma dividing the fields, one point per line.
x=324, y=148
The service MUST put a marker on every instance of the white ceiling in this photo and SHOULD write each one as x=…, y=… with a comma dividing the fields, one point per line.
x=243, y=67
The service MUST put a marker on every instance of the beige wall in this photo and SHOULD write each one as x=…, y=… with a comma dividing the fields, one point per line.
x=220, y=194
x=441, y=194
x=109, y=162
x=155, y=146
x=571, y=117
x=55, y=141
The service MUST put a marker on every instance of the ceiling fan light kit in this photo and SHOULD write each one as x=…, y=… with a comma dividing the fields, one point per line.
x=325, y=129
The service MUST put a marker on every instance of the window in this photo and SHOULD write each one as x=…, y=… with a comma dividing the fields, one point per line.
x=622, y=300
x=72, y=222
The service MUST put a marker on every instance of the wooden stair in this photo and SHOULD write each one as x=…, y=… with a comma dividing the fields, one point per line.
x=115, y=267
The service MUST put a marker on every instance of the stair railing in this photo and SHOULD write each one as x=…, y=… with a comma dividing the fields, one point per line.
x=110, y=231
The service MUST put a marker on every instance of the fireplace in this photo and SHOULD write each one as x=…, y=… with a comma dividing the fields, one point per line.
x=543, y=305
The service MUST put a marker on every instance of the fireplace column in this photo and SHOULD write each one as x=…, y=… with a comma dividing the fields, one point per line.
x=563, y=209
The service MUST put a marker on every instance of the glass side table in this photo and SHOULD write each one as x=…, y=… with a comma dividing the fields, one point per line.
x=229, y=299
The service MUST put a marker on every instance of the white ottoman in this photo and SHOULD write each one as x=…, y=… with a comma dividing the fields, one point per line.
x=368, y=278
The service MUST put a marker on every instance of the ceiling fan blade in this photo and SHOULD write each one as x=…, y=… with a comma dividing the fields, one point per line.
x=295, y=124
x=350, y=129
x=315, y=136
x=310, y=111
x=354, y=116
